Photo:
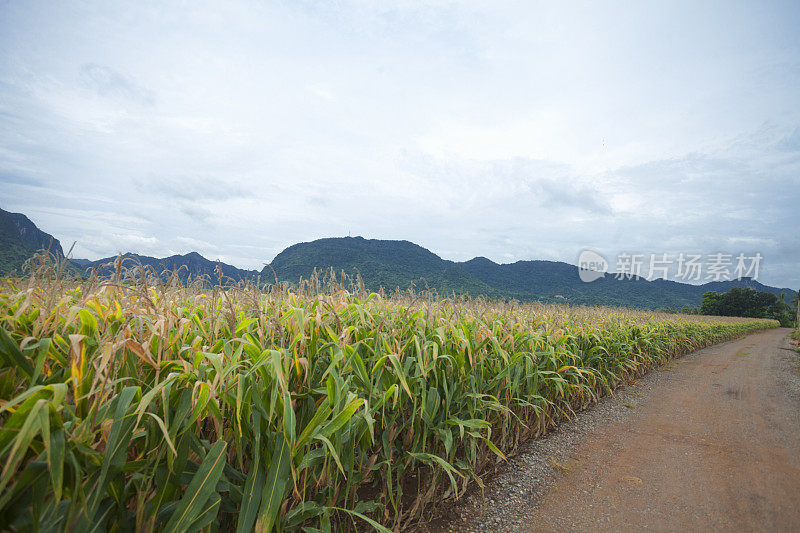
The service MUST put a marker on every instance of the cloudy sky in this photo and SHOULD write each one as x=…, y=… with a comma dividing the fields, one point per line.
x=511, y=130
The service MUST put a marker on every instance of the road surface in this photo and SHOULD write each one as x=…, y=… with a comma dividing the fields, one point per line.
x=717, y=448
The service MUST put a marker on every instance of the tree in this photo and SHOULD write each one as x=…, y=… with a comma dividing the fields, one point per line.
x=747, y=303
x=710, y=304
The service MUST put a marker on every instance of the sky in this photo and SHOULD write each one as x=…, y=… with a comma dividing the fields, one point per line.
x=509, y=130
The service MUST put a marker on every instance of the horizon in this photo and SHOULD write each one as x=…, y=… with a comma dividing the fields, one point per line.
x=512, y=132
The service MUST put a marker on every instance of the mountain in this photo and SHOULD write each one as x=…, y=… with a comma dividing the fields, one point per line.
x=20, y=239
x=388, y=264
x=394, y=264
x=550, y=280
x=196, y=265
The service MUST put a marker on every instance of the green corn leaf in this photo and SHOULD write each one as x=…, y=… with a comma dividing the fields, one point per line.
x=88, y=323
x=254, y=485
x=276, y=487
x=43, y=351
x=277, y=367
x=366, y=519
x=401, y=375
x=208, y=513
x=330, y=388
x=100, y=519
x=289, y=420
x=164, y=432
x=447, y=467
x=21, y=442
x=10, y=351
x=316, y=421
x=22, y=397
x=114, y=456
x=200, y=489
x=56, y=448
x=148, y=397
x=496, y=450
x=332, y=451
x=360, y=369
x=33, y=473
x=341, y=419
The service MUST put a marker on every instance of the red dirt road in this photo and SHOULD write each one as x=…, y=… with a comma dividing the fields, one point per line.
x=714, y=447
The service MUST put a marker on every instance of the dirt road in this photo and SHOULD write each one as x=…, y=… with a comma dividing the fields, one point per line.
x=716, y=449
x=711, y=445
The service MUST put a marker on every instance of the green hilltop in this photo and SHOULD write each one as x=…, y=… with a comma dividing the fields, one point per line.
x=388, y=264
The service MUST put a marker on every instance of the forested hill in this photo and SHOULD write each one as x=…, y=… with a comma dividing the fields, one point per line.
x=393, y=264
x=20, y=239
x=388, y=264
x=195, y=266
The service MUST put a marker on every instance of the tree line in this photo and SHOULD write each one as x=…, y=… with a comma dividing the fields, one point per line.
x=746, y=303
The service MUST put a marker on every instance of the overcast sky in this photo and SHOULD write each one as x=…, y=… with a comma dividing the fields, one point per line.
x=507, y=130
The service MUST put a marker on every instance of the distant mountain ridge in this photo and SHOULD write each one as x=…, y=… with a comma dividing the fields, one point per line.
x=393, y=264
x=20, y=239
x=195, y=266
x=551, y=280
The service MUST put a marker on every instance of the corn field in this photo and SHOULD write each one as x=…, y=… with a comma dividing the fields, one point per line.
x=139, y=404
